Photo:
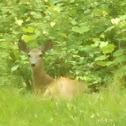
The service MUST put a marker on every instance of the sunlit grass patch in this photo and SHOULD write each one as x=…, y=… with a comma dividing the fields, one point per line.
x=97, y=109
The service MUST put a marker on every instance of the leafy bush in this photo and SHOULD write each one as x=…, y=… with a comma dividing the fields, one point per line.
x=88, y=38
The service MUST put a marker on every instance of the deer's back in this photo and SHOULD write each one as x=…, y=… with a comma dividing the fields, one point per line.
x=64, y=87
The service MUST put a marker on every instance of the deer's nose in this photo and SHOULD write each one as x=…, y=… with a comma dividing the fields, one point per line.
x=33, y=64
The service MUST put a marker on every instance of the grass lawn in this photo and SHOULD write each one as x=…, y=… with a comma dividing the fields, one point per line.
x=107, y=108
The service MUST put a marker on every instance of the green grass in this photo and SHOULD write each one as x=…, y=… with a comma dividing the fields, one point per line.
x=107, y=108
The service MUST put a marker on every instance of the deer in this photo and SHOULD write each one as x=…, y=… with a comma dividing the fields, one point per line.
x=43, y=84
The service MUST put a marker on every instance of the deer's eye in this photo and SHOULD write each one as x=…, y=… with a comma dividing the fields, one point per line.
x=40, y=55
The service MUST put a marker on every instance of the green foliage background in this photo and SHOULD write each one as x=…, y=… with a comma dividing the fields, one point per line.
x=88, y=39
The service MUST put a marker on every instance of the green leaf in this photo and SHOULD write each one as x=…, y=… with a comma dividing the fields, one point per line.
x=118, y=53
x=108, y=63
x=108, y=49
x=104, y=63
x=103, y=57
x=63, y=35
x=28, y=30
x=28, y=38
x=123, y=17
x=14, y=68
x=119, y=59
x=73, y=22
x=109, y=28
x=80, y=30
x=37, y=16
x=101, y=63
x=19, y=22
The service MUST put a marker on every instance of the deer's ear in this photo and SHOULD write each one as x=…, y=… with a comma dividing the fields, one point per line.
x=23, y=47
x=47, y=45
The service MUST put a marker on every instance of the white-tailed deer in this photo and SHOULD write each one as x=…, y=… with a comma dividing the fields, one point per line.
x=42, y=82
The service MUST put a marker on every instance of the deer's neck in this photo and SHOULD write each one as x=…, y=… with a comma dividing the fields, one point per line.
x=40, y=78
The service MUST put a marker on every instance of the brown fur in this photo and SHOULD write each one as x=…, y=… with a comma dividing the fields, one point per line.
x=44, y=84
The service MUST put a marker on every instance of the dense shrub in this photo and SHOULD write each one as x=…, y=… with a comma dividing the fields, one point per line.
x=88, y=38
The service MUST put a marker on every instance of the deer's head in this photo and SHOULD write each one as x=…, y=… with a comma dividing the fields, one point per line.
x=35, y=55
